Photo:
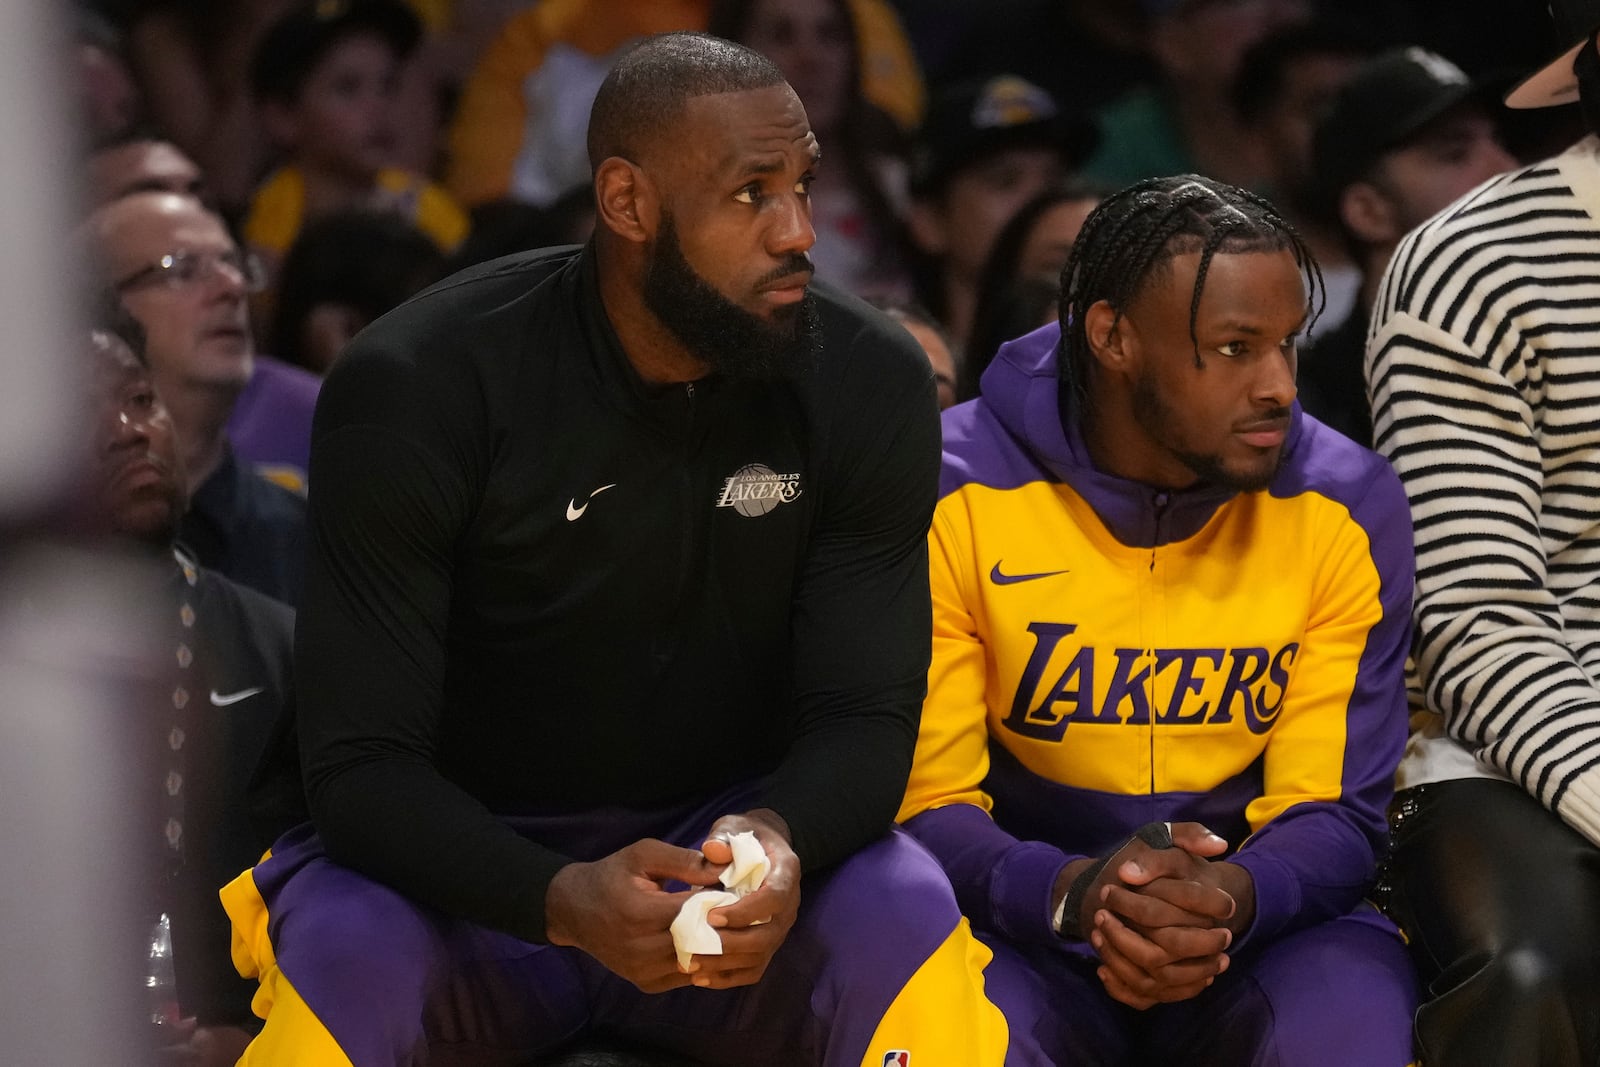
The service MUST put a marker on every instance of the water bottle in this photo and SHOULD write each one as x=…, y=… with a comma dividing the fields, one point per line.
x=161, y=982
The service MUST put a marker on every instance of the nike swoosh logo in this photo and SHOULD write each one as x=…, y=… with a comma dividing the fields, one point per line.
x=222, y=700
x=998, y=578
x=574, y=512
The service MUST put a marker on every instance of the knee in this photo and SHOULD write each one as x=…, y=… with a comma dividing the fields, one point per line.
x=350, y=926
x=1314, y=981
x=1526, y=1003
x=892, y=893
x=1544, y=977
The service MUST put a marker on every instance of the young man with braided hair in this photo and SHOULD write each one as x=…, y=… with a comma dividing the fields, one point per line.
x=1166, y=698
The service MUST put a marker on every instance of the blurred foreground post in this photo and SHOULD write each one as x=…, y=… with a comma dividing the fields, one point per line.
x=70, y=823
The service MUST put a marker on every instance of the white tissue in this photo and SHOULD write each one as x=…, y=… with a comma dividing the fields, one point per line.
x=692, y=935
x=749, y=866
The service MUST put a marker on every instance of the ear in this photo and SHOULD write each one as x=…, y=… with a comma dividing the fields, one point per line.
x=626, y=200
x=1108, y=337
x=925, y=224
x=1368, y=214
x=280, y=122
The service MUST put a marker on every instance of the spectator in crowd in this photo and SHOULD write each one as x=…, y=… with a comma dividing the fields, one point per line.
x=1286, y=81
x=325, y=76
x=857, y=198
x=192, y=58
x=108, y=99
x=1021, y=277
x=1483, y=370
x=504, y=227
x=1086, y=51
x=270, y=428
x=1171, y=616
x=519, y=132
x=985, y=149
x=344, y=271
x=1408, y=135
x=459, y=30
x=182, y=277
x=1187, y=121
x=1038, y=239
x=454, y=34
x=523, y=724
x=1020, y=305
x=228, y=687
x=139, y=161
x=925, y=328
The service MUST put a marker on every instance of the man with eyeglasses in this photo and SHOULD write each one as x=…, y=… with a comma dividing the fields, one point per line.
x=174, y=266
x=270, y=429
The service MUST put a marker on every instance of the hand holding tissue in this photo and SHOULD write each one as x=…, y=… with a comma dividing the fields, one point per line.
x=692, y=933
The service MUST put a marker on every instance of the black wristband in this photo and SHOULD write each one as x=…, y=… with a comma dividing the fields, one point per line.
x=1070, y=928
x=1154, y=834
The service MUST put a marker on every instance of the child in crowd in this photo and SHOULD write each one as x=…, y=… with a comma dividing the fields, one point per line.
x=344, y=271
x=324, y=76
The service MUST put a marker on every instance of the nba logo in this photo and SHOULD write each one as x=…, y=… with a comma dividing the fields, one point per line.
x=898, y=1058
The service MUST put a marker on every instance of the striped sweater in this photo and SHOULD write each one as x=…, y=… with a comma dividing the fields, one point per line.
x=1484, y=367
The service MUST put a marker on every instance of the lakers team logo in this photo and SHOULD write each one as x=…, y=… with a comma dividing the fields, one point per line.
x=1203, y=686
x=1009, y=101
x=755, y=489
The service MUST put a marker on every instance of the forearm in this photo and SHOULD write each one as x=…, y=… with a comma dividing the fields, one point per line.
x=1311, y=864
x=402, y=824
x=838, y=786
x=1003, y=885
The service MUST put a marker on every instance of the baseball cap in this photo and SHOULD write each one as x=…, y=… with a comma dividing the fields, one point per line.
x=1555, y=83
x=1385, y=101
x=296, y=42
x=972, y=120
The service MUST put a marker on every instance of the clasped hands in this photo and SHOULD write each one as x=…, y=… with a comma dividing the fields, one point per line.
x=1161, y=919
x=618, y=910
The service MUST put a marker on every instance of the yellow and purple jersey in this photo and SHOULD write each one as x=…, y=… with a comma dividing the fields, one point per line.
x=1107, y=654
x=278, y=209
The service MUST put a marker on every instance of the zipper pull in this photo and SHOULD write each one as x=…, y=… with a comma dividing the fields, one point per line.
x=1161, y=501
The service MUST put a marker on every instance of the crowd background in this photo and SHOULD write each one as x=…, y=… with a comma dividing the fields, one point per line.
x=463, y=121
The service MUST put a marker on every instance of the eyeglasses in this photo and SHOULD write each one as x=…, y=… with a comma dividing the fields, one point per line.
x=179, y=270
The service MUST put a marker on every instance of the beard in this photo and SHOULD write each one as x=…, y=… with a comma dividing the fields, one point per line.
x=732, y=341
x=1157, y=418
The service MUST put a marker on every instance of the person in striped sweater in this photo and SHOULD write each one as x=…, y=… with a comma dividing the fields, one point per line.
x=1483, y=359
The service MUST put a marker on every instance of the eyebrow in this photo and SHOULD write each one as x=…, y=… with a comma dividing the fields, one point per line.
x=1252, y=330
x=772, y=165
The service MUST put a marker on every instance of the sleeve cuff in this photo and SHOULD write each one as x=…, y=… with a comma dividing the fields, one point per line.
x=1020, y=891
x=1278, y=896
x=1580, y=805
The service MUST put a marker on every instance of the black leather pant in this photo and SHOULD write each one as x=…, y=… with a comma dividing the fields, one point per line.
x=1501, y=902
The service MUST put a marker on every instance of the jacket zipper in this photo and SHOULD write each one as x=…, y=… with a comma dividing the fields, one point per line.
x=1162, y=500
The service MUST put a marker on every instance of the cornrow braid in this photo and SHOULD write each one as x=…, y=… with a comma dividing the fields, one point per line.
x=1133, y=233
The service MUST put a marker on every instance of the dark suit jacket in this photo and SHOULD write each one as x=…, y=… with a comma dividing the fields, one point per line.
x=239, y=685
